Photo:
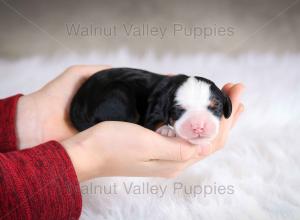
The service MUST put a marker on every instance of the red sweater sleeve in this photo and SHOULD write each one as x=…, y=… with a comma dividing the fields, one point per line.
x=36, y=183
x=8, y=139
x=39, y=183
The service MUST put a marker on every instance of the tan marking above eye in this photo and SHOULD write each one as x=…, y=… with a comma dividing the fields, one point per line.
x=213, y=103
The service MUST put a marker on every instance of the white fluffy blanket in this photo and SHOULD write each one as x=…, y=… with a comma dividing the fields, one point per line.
x=256, y=175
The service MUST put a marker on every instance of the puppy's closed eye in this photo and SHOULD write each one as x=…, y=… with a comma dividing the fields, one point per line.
x=175, y=113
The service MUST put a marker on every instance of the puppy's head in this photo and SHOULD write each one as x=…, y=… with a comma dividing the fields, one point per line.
x=193, y=106
x=198, y=107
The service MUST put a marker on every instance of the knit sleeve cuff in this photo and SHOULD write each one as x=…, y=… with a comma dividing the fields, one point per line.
x=45, y=182
x=8, y=139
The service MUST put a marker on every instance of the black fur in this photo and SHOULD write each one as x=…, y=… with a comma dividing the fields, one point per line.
x=133, y=95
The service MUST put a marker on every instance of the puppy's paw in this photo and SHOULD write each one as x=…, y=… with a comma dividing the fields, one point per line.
x=166, y=131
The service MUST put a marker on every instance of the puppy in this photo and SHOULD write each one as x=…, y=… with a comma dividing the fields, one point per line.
x=186, y=106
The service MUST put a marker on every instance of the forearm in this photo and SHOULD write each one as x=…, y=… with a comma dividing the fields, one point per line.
x=81, y=150
x=40, y=178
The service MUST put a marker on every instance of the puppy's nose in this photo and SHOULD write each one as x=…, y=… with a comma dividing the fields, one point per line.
x=198, y=128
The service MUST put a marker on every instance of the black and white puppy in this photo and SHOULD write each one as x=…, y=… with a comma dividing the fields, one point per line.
x=186, y=106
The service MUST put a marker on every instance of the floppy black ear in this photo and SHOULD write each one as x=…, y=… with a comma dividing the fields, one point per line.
x=227, y=106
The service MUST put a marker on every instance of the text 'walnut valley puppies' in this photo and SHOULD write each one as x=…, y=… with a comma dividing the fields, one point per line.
x=186, y=106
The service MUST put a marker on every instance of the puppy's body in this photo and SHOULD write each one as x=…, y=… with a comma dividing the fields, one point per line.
x=150, y=100
x=119, y=94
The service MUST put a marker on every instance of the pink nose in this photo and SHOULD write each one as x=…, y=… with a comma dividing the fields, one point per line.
x=197, y=125
x=198, y=128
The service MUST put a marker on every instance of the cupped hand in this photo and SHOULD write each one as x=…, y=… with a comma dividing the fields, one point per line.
x=109, y=148
x=43, y=115
x=124, y=149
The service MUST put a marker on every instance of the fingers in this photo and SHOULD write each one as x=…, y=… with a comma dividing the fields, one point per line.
x=235, y=93
x=76, y=74
x=172, y=149
x=87, y=70
x=239, y=111
x=171, y=169
x=227, y=87
x=237, y=107
x=170, y=74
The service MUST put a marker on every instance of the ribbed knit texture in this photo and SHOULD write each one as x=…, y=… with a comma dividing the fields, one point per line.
x=36, y=183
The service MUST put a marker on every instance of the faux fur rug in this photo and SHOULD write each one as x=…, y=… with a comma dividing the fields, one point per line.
x=256, y=175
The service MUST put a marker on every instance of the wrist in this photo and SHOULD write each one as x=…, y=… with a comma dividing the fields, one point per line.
x=85, y=159
x=27, y=131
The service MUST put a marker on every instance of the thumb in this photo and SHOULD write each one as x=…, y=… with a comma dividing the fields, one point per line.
x=171, y=148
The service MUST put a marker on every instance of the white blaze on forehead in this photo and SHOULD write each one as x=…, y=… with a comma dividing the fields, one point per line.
x=193, y=94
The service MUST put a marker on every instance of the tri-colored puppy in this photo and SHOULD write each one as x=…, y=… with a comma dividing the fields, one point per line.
x=187, y=106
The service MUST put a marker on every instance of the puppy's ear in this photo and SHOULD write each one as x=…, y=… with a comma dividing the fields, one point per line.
x=227, y=106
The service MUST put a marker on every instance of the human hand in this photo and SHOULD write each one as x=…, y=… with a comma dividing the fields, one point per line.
x=124, y=149
x=101, y=151
x=43, y=115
